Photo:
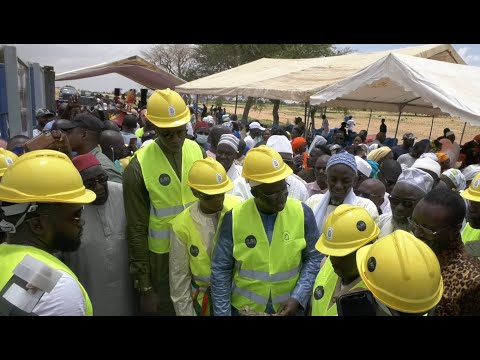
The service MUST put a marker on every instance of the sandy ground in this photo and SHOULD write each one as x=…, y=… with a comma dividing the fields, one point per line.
x=418, y=125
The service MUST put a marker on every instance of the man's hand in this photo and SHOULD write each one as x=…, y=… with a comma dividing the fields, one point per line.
x=298, y=162
x=73, y=102
x=289, y=308
x=148, y=302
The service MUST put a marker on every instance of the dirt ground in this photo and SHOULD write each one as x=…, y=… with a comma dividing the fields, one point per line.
x=419, y=125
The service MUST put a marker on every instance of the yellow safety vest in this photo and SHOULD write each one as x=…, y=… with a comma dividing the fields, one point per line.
x=471, y=239
x=168, y=196
x=262, y=269
x=323, y=303
x=199, y=259
x=12, y=255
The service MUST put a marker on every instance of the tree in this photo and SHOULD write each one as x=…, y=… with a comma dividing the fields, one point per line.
x=177, y=59
x=213, y=58
x=276, y=106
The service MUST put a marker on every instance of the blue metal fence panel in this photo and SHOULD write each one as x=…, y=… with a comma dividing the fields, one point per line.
x=4, y=133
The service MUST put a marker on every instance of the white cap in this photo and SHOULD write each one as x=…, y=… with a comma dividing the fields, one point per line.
x=471, y=171
x=449, y=133
x=256, y=125
x=364, y=167
x=428, y=164
x=280, y=143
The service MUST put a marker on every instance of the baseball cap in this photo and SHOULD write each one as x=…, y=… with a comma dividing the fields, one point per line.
x=255, y=125
x=88, y=122
x=408, y=136
x=43, y=112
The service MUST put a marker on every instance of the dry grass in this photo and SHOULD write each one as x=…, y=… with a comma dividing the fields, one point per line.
x=418, y=125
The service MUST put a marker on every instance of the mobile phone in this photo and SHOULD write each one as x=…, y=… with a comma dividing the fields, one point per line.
x=133, y=143
x=361, y=303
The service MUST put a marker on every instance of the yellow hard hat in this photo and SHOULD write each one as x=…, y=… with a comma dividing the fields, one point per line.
x=347, y=229
x=209, y=177
x=166, y=109
x=265, y=165
x=402, y=272
x=473, y=191
x=6, y=160
x=44, y=176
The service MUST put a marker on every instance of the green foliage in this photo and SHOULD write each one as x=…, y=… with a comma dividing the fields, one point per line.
x=213, y=58
x=258, y=105
x=219, y=101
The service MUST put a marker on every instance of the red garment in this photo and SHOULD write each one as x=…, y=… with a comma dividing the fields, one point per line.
x=85, y=161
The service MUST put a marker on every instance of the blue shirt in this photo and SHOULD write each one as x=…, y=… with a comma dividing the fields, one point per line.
x=223, y=262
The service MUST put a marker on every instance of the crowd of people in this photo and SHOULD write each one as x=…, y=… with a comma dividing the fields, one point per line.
x=172, y=209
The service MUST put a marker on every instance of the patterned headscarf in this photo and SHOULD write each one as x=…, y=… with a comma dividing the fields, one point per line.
x=378, y=154
x=457, y=178
x=343, y=158
x=417, y=178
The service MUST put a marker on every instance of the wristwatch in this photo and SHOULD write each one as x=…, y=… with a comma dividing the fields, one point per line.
x=145, y=289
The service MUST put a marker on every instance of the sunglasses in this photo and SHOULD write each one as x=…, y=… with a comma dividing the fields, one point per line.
x=170, y=134
x=429, y=233
x=90, y=183
x=407, y=203
x=366, y=195
x=277, y=194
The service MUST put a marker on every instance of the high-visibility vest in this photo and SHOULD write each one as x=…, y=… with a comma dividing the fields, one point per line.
x=324, y=290
x=471, y=239
x=262, y=269
x=12, y=255
x=168, y=196
x=199, y=259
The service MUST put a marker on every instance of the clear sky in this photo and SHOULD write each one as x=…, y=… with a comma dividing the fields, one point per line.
x=66, y=57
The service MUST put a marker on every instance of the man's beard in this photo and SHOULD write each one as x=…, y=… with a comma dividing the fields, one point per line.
x=62, y=242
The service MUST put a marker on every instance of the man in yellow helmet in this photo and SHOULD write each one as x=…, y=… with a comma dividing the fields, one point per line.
x=346, y=230
x=403, y=275
x=265, y=258
x=471, y=231
x=192, y=238
x=155, y=189
x=41, y=217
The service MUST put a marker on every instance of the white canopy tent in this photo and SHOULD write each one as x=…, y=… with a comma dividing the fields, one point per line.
x=298, y=79
x=411, y=84
x=135, y=68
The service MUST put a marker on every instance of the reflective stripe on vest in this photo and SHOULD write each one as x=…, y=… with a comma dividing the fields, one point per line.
x=168, y=195
x=12, y=255
x=266, y=269
x=324, y=290
x=199, y=260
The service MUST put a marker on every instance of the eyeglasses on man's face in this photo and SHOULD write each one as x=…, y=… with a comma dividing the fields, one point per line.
x=90, y=183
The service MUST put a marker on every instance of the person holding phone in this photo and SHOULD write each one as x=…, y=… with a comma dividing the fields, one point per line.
x=402, y=275
x=128, y=133
x=346, y=230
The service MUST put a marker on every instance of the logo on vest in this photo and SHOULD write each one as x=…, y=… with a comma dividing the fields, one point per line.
x=361, y=226
x=164, y=179
x=330, y=233
x=219, y=178
x=286, y=236
x=171, y=110
x=9, y=161
x=194, y=251
x=371, y=264
x=318, y=293
x=251, y=241
x=275, y=164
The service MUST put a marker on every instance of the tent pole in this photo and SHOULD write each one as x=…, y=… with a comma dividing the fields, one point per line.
x=369, y=120
x=463, y=132
x=196, y=112
x=398, y=123
x=431, y=127
x=236, y=102
x=305, y=130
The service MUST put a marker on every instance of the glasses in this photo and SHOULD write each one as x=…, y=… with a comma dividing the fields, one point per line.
x=204, y=196
x=277, y=194
x=407, y=203
x=90, y=183
x=76, y=217
x=170, y=134
x=366, y=195
x=414, y=226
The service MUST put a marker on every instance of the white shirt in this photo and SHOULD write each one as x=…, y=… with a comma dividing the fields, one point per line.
x=351, y=125
x=65, y=299
x=101, y=262
x=297, y=189
x=249, y=141
x=364, y=203
x=241, y=189
x=385, y=207
x=234, y=172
